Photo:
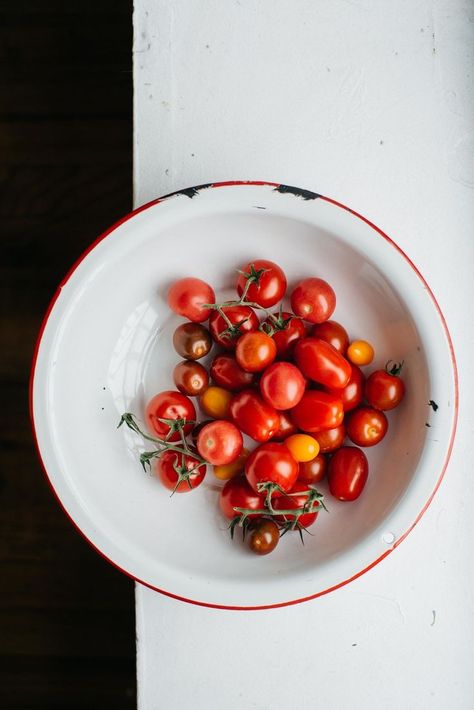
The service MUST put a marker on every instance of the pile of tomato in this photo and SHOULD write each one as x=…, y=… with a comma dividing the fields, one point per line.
x=291, y=381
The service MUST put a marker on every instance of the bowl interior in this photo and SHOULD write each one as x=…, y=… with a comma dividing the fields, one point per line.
x=109, y=349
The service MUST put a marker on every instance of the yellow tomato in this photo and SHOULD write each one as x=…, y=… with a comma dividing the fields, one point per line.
x=302, y=447
x=230, y=470
x=215, y=402
x=360, y=352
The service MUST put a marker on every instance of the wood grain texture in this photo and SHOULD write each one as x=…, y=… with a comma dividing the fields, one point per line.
x=67, y=634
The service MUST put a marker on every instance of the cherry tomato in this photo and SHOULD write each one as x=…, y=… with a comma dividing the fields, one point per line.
x=331, y=439
x=215, y=402
x=271, y=463
x=333, y=333
x=288, y=329
x=313, y=471
x=384, y=390
x=190, y=378
x=264, y=536
x=367, y=426
x=351, y=394
x=267, y=283
x=282, y=385
x=230, y=470
x=322, y=363
x=187, y=297
x=317, y=411
x=219, y=442
x=173, y=406
x=347, y=473
x=243, y=320
x=285, y=427
x=226, y=372
x=302, y=447
x=255, y=351
x=360, y=352
x=192, y=341
x=180, y=473
x=314, y=300
x=285, y=503
x=254, y=416
x=237, y=493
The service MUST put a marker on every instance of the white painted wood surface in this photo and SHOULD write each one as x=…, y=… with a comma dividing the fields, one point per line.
x=370, y=102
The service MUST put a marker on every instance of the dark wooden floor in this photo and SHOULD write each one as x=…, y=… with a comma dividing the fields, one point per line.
x=67, y=635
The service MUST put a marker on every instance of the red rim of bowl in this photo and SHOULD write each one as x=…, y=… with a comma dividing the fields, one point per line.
x=283, y=189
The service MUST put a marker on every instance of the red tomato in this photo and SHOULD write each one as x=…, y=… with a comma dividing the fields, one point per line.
x=243, y=320
x=169, y=405
x=314, y=300
x=333, y=333
x=351, y=394
x=285, y=429
x=254, y=416
x=282, y=385
x=255, y=351
x=180, y=473
x=384, y=390
x=237, y=493
x=347, y=473
x=331, y=439
x=186, y=297
x=287, y=331
x=284, y=503
x=219, y=442
x=226, y=372
x=313, y=471
x=322, y=363
x=267, y=283
x=271, y=463
x=367, y=426
x=317, y=411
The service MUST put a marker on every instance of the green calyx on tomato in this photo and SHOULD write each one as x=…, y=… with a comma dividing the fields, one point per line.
x=287, y=515
x=163, y=445
x=180, y=472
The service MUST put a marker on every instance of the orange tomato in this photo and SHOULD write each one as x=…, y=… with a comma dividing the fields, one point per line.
x=360, y=352
x=215, y=402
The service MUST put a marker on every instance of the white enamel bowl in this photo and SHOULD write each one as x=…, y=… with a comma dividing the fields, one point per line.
x=105, y=348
